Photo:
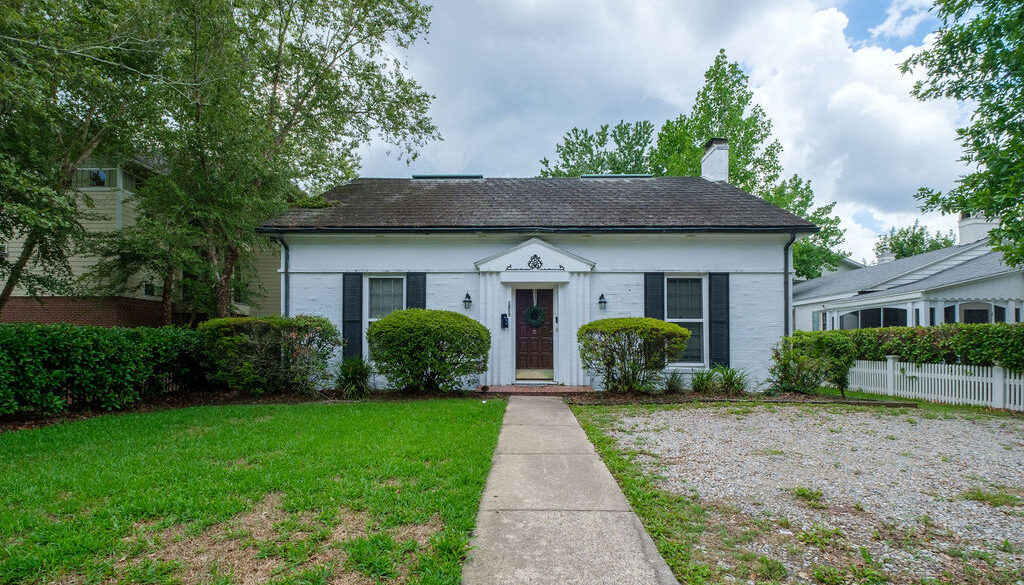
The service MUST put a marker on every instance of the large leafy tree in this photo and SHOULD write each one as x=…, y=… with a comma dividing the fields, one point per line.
x=811, y=255
x=621, y=150
x=159, y=248
x=978, y=56
x=278, y=94
x=913, y=240
x=75, y=83
x=724, y=108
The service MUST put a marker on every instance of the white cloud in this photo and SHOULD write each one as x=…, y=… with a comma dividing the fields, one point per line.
x=902, y=18
x=512, y=76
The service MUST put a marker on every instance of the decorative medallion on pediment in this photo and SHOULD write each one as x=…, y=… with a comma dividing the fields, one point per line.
x=534, y=263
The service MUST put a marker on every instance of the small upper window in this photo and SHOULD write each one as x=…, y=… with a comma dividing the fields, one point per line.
x=386, y=295
x=95, y=179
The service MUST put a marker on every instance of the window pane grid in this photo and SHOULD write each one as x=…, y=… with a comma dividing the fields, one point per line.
x=685, y=298
x=684, y=306
x=385, y=296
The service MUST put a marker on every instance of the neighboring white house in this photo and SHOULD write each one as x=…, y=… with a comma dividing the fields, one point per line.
x=691, y=250
x=968, y=283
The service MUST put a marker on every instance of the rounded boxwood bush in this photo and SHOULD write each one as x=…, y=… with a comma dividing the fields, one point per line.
x=428, y=350
x=630, y=353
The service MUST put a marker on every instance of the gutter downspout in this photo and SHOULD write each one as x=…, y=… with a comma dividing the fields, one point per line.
x=787, y=304
x=285, y=298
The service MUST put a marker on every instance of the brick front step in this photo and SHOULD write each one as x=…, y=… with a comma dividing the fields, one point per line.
x=540, y=390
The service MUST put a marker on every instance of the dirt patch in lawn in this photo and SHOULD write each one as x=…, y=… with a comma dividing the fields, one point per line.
x=258, y=546
x=248, y=547
x=843, y=495
x=421, y=533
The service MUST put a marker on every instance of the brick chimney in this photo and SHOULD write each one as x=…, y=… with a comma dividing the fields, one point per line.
x=715, y=164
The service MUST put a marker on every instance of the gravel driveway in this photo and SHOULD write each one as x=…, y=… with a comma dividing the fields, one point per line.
x=897, y=483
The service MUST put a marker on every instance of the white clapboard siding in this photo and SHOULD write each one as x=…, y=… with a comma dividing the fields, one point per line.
x=946, y=383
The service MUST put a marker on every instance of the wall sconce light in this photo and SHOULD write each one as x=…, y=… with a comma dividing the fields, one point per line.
x=602, y=302
x=468, y=301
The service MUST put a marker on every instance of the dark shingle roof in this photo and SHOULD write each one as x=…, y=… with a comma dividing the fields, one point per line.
x=569, y=204
x=869, y=277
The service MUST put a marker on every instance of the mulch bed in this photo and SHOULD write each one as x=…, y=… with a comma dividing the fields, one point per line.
x=609, y=398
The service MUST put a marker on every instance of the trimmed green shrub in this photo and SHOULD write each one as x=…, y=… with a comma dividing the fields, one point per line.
x=834, y=350
x=630, y=353
x=44, y=368
x=352, y=378
x=794, y=371
x=262, y=355
x=428, y=350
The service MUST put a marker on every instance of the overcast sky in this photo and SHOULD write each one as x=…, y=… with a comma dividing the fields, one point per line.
x=512, y=76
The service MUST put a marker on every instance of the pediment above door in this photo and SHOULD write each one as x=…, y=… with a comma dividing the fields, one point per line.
x=534, y=261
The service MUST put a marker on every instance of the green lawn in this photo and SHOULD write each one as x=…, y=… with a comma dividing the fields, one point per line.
x=304, y=493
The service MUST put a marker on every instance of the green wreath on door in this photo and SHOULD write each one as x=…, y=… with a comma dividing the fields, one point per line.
x=535, y=316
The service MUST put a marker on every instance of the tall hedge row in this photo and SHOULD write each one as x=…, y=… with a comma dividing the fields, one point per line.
x=975, y=345
x=44, y=368
x=47, y=368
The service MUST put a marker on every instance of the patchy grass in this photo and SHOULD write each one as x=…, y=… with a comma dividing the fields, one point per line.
x=820, y=536
x=923, y=409
x=305, y=493
x=710, y=538
x=995, y=497
x=675, y=522
x=811, y=496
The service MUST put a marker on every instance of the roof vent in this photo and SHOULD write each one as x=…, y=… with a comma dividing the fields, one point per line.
x=617, y=176
x=446, y=177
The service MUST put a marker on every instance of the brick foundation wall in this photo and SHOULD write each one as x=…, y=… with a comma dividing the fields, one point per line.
x=104, y=311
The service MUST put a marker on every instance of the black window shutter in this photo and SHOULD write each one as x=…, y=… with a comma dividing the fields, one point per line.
x=352, y=313
x=416, y=290
x=718, y=315
x=654, y=295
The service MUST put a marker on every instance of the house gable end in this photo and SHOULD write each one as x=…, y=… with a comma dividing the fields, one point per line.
x=534, y=255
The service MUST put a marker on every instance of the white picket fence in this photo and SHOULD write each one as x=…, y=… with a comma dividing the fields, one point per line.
x=947, y=383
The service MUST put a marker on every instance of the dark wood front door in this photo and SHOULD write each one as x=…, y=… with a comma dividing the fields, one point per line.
x=535, y=354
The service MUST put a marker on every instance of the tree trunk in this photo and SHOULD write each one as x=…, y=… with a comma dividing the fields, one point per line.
x=223, y=285
x=17, y=268
x=165, y=297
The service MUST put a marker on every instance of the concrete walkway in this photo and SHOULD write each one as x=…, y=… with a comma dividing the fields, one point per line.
x=551, y=511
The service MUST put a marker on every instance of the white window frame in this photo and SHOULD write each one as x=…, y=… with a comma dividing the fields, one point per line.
x=117, y=175
x=704, y=320
x=366, y=302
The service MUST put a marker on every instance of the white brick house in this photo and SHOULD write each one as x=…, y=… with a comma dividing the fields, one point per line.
x=690, y=250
